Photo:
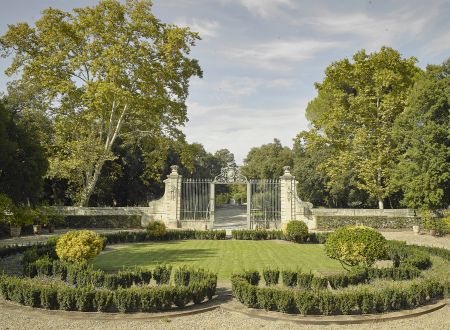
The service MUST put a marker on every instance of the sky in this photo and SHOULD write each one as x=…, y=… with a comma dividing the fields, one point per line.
x=261, y=58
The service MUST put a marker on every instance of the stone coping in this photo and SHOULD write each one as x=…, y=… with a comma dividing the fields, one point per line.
x=236, y=306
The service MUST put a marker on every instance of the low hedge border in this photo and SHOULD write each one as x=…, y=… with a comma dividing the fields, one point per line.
x=379, y=222
x=355, y=300
x=33, y=293
x=263, y=234
x=102, y=221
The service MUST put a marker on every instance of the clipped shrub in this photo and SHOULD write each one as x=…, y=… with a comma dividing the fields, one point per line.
x=304, y=280
x=161, y=274
x=103, y=300
x=182, y=276
x=289, y=278
x=251, y=276
x=356, y=245
x=79, y=245
x=271, y=276
x=67, y=299
x=305, y=302
x=296, y=231
x=156, y=229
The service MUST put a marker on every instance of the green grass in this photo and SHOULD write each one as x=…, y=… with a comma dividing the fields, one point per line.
x=221, y=257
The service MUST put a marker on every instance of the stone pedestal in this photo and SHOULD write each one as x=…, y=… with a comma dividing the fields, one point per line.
x=287, y=181
x=172, y=198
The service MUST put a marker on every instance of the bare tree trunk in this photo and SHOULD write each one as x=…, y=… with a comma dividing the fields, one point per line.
x=91, y=180
x=380, y=203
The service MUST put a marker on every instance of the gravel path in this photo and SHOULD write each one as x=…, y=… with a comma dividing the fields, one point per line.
x=18, y=317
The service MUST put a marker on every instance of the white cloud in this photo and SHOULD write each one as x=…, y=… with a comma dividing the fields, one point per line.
x=207, y=28
x=240, y=128
x=374, y=30
x=236, y=87
x=265, y=8
x=280, y=54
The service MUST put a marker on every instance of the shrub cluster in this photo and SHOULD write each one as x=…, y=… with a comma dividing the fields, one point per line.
x=379, y=222
x=102, y=221
x=296, y=231
x=356, y=245
x=79, y=245
x=170, y=235
x=356, y=300
x=156, y=229
x=135, y=299
x=402, y=254
x=263, y=234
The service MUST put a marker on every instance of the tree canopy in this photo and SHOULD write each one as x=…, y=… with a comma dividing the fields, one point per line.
x=354, y=112
x=267, y=161
x=423, y=132
x=103, y=72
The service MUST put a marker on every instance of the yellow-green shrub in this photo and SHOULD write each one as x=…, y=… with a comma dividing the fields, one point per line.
x=79, y=245
x=156, y=229
x=296, y=231
x=356, y=245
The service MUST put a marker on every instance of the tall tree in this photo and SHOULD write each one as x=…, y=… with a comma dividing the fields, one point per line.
x=354, y=111
x=267, y=161
x=104, y=72
x=423, y=132
x=22, y=160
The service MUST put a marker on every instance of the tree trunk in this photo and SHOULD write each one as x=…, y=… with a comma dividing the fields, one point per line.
x=380, y=203
x=90, y=186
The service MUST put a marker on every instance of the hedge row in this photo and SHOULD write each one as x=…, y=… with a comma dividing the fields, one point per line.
x=402, y=254
x=170, y=235
x=355, y=300
x=263, y=234
x=379, y=222
x=86, y=299
x=102, y=221
x=309, y=281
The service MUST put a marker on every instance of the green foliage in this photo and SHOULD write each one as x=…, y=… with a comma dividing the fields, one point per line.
x=23, y=163
x=358, y=299
x=267, y=161
x=296, y=231
x=156, y=229
x=271, y=276
x=289, y=277
x=381, y=222
x=161, y=274
x=423, y=169
x=110, y=77
x=357, y=104
x=79, y=245
x=117, y=221
x=357, y=245
x=182, y=276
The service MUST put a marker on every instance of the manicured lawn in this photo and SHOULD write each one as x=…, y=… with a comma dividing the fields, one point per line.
x=223, y=257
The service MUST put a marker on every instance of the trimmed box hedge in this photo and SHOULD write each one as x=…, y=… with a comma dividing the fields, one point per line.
x=379, y=222
x=263, y=234
x=354, y=300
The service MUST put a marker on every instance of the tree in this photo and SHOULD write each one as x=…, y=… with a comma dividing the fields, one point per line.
x=267, y=161
x=310, y=152
x=22, y=163
x=354, y=112
x=423, y=171
x=103, y=72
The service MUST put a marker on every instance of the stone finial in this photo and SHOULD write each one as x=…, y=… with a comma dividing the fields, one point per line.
x=174, y=169
x=287, y=170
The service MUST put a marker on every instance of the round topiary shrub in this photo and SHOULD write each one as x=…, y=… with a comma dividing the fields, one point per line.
x=156, y=229
x=356, y=245
x=296, y=231
x=79, y=245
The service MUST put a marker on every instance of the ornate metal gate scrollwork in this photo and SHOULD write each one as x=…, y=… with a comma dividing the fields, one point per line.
x=230, y=174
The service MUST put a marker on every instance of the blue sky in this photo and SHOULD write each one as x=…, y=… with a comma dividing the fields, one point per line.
x=261, y=57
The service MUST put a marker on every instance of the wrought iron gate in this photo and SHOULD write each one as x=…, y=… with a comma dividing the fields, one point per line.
x=264, y=197
x=195, y=199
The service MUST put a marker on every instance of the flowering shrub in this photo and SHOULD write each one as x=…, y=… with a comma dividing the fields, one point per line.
x=79, y=245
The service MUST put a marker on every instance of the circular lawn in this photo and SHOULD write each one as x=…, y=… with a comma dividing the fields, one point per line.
x=223, y=257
